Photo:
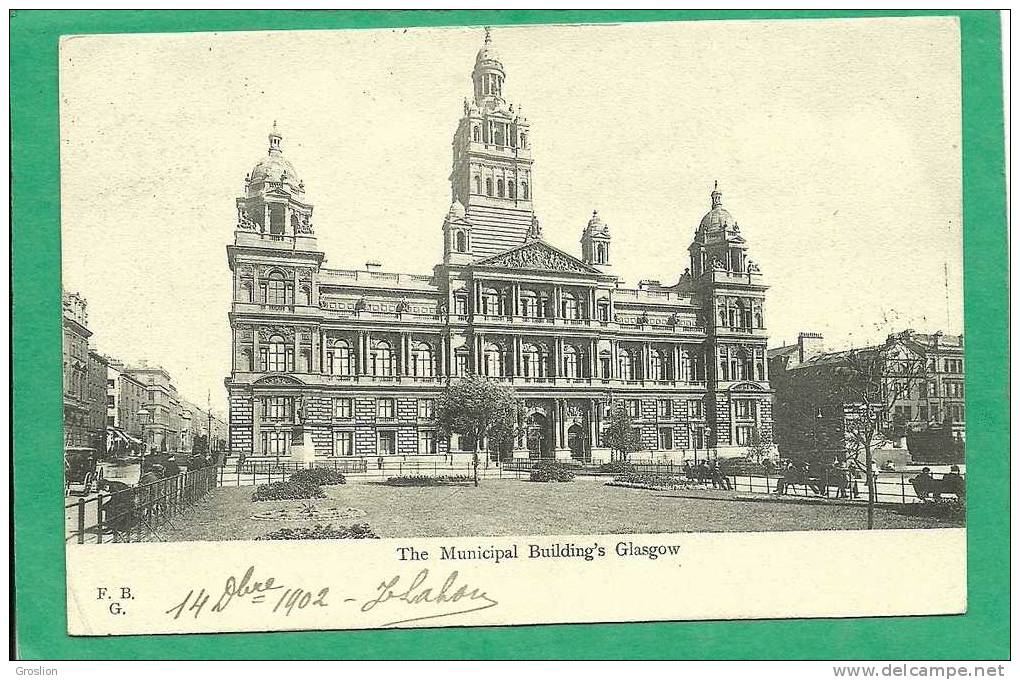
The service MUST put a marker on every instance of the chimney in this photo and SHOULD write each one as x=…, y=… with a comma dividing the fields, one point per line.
x=809, y=345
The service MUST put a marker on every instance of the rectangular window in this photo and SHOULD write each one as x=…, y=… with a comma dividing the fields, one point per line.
x=110, y=400
x=695, y=409
x=343, y=443
x=744, y=408
x=744, y=435
x=954, y=389
x=343, y=408
x=922, y=412
x=385, y=408
x=426, y=409
x=664, y=408
x=278, y=408
x=634, y=408
x=275, y=443
x=665, y=438
x=387, y=443
x=954, y=365
x=460, y=305
x=427, y=441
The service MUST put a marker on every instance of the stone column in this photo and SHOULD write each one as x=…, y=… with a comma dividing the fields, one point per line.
x=614, y=369
x=297, y=350
x=561, y=451
x=676, y=363
x=402, y=369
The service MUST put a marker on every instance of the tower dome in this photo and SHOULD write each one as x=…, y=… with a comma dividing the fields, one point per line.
x=274, y=168
x=718, y=218
x=487, y=55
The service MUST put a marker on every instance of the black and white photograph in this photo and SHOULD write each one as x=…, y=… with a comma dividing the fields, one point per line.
x=546, y=298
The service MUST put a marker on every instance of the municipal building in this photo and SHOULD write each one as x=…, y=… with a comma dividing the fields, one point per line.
x=344, y=363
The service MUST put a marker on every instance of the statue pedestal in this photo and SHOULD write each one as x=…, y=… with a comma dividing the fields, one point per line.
x=521, y=454
x=301, y=450
x=563, y=454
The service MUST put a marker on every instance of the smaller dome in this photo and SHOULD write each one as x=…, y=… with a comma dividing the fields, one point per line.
x=596, y=225
x=717, y=219
x=274, y=167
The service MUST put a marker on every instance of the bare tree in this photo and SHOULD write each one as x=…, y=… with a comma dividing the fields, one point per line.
x=620, y=435
x=869, y=383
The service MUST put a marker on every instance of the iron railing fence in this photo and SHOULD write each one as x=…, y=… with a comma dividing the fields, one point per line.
x=137, y=512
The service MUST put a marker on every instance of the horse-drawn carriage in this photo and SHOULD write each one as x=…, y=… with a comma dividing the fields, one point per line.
x=81, y=471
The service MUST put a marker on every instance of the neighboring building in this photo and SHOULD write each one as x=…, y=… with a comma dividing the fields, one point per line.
x=76, y=371
x=97, y=401
x=201, y=421
x=126, y=396
x=161, y=421
x=349, y=363
x=931, y=400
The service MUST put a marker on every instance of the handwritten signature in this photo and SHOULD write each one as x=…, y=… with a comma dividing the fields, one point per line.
x=389, y=595
x=419, y=593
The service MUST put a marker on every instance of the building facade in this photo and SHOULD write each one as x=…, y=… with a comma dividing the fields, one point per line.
x=97, y=400
x=126, y=397
x=929, y=402
x=161, y=411
x=349, y=363
x=76, y=336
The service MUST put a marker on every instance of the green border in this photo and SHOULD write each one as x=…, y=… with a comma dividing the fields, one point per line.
x=983, y=633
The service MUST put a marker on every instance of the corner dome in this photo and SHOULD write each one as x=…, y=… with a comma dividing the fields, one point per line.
x=718, y=218
x=596, y=225
x=274, y=168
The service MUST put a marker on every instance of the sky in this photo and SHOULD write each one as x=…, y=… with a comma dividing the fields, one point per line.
x=836, y=145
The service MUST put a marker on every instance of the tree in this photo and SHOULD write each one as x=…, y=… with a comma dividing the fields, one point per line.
x=869, y=383
x=621, y=435
x=480, y=410
x=761, y=444
x=200, y=446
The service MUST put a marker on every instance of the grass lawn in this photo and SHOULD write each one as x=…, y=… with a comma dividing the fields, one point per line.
x=502, y=507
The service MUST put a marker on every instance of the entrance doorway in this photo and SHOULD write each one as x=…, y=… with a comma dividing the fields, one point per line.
x=576, y=442
x=539, y=436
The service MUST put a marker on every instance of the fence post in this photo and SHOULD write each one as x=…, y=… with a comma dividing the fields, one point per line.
x=903, y=489
x=81, y=520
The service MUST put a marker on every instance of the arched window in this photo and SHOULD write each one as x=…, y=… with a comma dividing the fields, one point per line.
x=276, y=289
x=529, y=303
x=499, y=188
x=383, y=359
x=423, y=362
x=571, y=362
x=493, y=363
x=524, y=190
x=488, y=186
x=478, y=184
x=571, y=309
x=511, y=189
x=476, y=134
x=246, y=360
x=759, y=321
x=603, y=310
x=279, y=357
x=461, y=245
x=339, y=358
x=246, y=292
x=532, y=361
x=306, y=295
x=625, y=364
x=656, y=365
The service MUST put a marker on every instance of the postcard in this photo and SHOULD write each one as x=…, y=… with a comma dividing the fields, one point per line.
x=512, y=325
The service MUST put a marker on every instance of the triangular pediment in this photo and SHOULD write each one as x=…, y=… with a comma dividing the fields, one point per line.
x=538, y=255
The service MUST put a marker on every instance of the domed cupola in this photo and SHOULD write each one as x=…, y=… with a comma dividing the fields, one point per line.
x=595, y=241
x=274, y=169
x=718, y=244
x=718, y=220
x=488, y=75
x=273, y=204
